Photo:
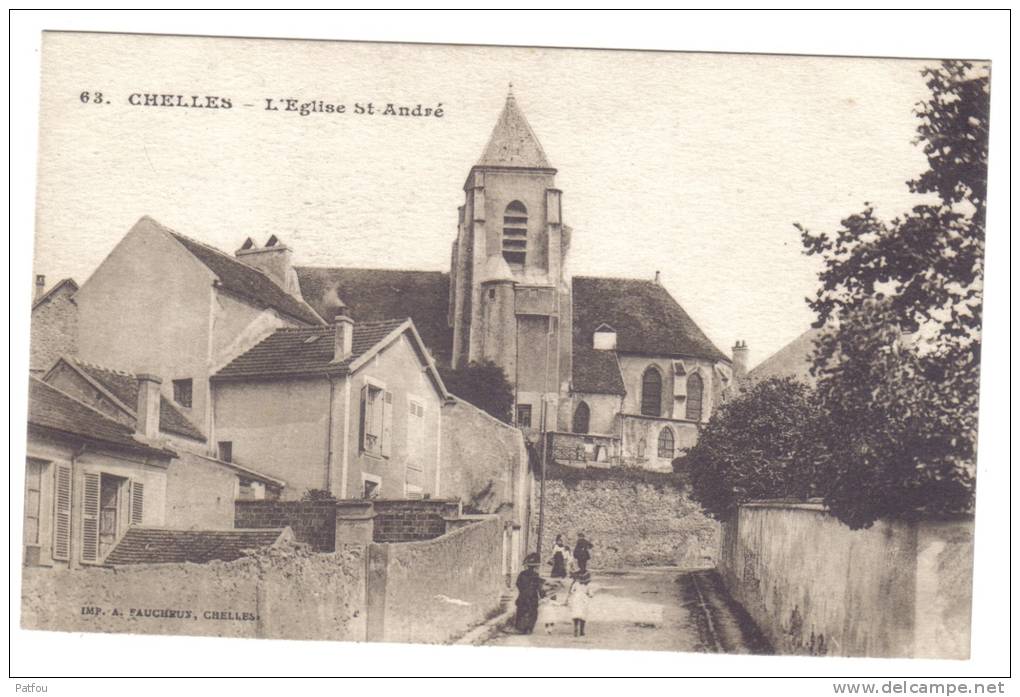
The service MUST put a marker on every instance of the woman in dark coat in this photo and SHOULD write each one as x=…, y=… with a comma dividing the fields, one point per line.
x=529, y=590
x=582, y=552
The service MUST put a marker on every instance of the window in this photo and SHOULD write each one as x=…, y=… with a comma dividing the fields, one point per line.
x=182, y=392
x=666, y=443
x=225, y=449
x=582, y=416
x=376, y=420
x=371, y=486
x=695, y=389
x=415, y=434
x=651, y=392
x=524, y=416
x=515, y=234
x=33, y=499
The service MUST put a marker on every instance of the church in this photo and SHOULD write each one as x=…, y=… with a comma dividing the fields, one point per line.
x=614, y=368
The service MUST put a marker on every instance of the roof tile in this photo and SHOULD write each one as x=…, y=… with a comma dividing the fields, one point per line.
x=305, y=351
x=144, y=545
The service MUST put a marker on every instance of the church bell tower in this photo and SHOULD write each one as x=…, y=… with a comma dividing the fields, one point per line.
x=509, y=301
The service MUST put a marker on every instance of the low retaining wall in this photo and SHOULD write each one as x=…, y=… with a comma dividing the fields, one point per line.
x=631, y=523
x=252, y=597
x=814, y=586
x=430, y=591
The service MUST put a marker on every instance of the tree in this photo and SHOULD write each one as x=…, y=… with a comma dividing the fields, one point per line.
x=758, y=445
x=897, y=366
x=317, y=495
x=928, y=264
x=483, y=384
x=897, y=428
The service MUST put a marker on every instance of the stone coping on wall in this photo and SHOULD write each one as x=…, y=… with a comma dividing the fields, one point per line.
x=817, y=504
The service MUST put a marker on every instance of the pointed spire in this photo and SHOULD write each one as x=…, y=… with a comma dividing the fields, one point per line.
x=513, y=143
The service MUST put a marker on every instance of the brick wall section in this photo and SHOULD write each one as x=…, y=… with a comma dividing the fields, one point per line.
x=411, y=521
x=54, y=330
x=313, y=522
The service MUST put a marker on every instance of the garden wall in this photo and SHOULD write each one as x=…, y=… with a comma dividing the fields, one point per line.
x=251, y=597
x=432, y=590
x=814, y=586
x=643, y=520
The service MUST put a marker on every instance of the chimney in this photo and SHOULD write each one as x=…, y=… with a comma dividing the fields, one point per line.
x=657, y=278
x=274, y=260
x=343, y=335
x=148, y=405
x=739, y=361
x=40, y=286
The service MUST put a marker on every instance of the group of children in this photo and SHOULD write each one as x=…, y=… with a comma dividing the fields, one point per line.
x=561, y=604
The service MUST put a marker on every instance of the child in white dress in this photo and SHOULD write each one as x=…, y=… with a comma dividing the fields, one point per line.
x=551, y=607
x=578, y=598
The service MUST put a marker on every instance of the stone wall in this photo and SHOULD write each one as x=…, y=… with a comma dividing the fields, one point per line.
x=313, y=522
x=251, y=597
x=431, y=591
x=814, y=586
x=631, y=522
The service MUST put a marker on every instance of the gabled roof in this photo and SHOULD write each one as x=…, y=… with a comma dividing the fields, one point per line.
x=647, y=321
x=242, y=279
x=513, y=143
x=307, y=351
x=145, y=545
x=373, y=295
x=68, y=283
x=51, y=410
x=124, y=387
x=793, y=360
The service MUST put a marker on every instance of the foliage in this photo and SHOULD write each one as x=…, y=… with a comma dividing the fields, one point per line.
x=897, y=366
x=758, y=445
x=928, y=264
x=317, y=495
x=897, y=426
x=483, y=384
x=634, y=475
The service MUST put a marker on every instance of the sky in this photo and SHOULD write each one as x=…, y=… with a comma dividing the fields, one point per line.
x=694, y=165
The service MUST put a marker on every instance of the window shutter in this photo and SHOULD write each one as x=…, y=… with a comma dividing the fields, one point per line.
x=90, y=518
x=364, y=418
x=137, y=502
x=387, y=422
x=62, y=513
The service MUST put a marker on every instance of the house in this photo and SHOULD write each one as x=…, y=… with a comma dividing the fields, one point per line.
x=54, y=330
x=88, y=477
x=352, y=408
x=200, y=489
x=165, y=304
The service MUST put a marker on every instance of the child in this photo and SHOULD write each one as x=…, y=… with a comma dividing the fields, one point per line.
x=578, y=598
x=550, y=607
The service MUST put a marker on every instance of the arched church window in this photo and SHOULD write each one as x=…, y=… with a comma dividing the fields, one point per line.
x=695, y=393
x=515, y=234
x=667, y=442
x=651, y=392
x=582, y=417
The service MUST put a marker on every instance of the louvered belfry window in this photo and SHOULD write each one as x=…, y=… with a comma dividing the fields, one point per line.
x=515, y=234
x=695, y=390
x=651, y=392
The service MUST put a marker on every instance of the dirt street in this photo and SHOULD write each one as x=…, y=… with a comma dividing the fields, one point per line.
x=656, y=609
